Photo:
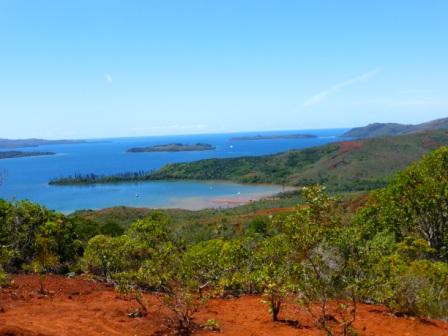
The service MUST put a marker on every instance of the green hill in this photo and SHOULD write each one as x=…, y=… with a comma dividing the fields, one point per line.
x=344, y=166
x=385, y=129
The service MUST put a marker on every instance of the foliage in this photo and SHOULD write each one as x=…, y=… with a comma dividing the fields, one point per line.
x=419, y=288
x=44, y=258
x=415, y=202
x=23, y=223
x=106, y=256
x=273, y=272
x=312, y=230
x=126, y=288
x=5, y=256
x=211, y=325
x=218, y=263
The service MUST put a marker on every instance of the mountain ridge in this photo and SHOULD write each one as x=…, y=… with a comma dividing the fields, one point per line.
x=388, y=129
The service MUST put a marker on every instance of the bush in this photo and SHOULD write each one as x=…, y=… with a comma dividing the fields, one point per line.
x=4, y=278
x=211, y=325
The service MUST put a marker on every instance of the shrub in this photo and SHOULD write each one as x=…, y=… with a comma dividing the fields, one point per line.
x=211, y=325
x=107, y=256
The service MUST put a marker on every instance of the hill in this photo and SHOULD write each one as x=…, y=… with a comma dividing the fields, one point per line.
x=385, y=129
x=20, y=143
x=343, y=166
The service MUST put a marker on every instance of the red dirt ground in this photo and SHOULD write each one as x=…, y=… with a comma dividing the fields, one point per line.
x=82, y=307
x=347, y=146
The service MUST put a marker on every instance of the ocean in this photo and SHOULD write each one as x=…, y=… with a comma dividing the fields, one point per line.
x=27, y=178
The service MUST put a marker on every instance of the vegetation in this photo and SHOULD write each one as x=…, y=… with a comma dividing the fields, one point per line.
x=346, y=166
x=321, y=256
x=19, y=154
x=79, y=179
x=176, y=147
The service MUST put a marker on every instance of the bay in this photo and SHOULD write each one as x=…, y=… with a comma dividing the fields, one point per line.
x=27, y=178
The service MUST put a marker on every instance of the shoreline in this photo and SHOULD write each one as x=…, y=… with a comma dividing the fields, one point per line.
x=195, y=203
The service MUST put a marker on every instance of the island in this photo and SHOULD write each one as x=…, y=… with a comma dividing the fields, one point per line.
x=175, y=147
x=274, y=137
x=20, y=143
x=19, y=154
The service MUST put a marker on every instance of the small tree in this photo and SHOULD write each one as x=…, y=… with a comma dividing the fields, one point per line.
x=313, y=231
x=183, y=298
x=273, y=272
x=126, y=287
x=44, y=257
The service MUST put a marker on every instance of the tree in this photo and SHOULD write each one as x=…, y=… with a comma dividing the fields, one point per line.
x=44, y=257
x=273, y=272
x=107, y=256
x=314, y=232
x=414, y=203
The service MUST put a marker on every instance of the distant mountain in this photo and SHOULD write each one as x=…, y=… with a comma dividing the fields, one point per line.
x=384, y=129
x=20, y=143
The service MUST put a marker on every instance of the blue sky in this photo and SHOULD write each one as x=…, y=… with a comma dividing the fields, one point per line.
x=83, y=69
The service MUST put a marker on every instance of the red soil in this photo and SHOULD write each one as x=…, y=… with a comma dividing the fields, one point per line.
x=274, y=211
x=347, y=146
x=82, y=307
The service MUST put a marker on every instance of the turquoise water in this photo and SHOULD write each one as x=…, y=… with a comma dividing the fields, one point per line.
x=27, y=178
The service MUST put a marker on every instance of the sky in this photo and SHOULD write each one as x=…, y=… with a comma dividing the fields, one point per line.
x=92, y=68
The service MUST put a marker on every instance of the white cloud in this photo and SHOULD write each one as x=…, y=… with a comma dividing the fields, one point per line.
x=321, y=96
x=109, y=78
x=412, y=103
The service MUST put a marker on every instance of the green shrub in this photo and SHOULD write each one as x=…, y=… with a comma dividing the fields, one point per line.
x=211, y=325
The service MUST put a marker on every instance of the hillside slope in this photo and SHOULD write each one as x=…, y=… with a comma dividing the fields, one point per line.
x=385, y=129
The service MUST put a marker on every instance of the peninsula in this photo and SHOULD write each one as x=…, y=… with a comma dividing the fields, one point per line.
x=175, y=147
x=274, y=137
x=20, y=143
x=19, y=154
